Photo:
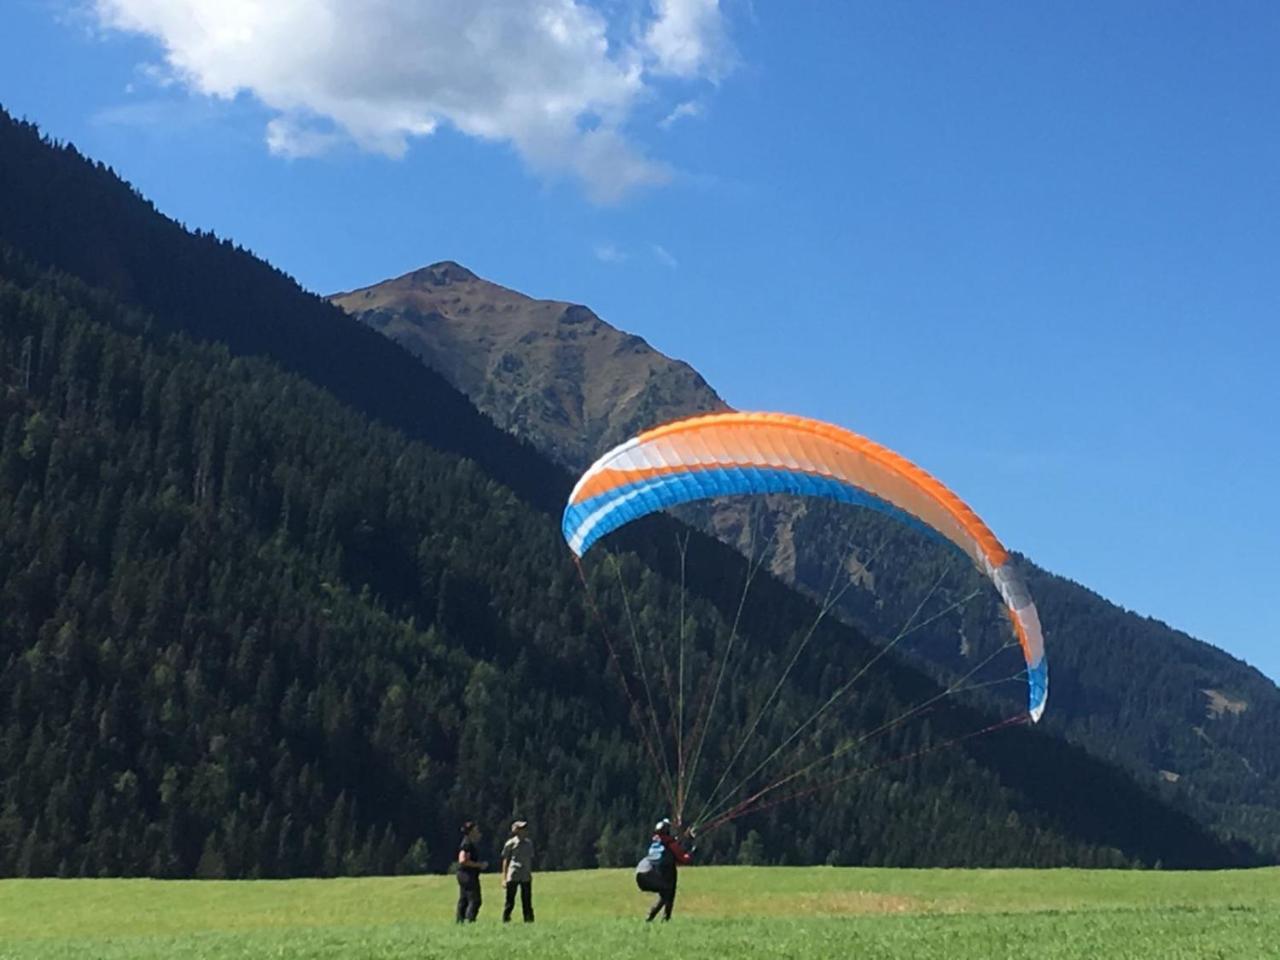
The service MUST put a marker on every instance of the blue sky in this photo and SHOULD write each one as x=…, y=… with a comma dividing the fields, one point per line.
x=1033, y=246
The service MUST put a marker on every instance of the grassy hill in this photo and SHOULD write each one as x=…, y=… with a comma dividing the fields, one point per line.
x=728, y=912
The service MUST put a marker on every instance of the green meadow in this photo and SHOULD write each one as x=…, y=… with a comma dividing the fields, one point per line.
x=728, y=912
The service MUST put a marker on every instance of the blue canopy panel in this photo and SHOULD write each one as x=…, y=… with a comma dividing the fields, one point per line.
x=1037, y=688
x=586, y=522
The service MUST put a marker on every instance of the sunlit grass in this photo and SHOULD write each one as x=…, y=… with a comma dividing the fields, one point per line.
x=721, y=912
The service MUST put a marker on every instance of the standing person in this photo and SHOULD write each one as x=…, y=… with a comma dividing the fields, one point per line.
x=659, y=870
x=517, y=871
x=469, y=867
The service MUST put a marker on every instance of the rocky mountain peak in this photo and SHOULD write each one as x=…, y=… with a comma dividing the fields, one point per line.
x=441, y=274
x=550, y=371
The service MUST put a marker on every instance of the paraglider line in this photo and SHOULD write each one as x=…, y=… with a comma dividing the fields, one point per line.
x=634, y=712
x=743, y=809
x=845, y=687
x=680, y=755
x=644, y=676
x=827, y=604
x=702, y=723
x=906, y=627
x=939, y=615
x=956, y=687
x=840, y=692
x=660, y=643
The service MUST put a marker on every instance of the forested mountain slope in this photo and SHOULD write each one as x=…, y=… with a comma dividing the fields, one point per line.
x=246, y=632
x=63, y=210
x=1188, y=719
x=246, y=629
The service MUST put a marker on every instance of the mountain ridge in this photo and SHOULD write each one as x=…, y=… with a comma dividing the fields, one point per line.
x=528, y=360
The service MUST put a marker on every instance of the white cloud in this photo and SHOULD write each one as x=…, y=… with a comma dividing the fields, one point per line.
x=687, y=38
x=163, y=117
x=287, y=137
x=156, y=75
x=608, y=253
x=664, y=256
x=540, y=75
x=689, y=108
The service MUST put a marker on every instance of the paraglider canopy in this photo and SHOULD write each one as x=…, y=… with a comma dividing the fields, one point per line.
x=756, y=453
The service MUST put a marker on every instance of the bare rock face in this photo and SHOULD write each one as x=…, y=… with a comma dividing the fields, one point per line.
x=549, y=371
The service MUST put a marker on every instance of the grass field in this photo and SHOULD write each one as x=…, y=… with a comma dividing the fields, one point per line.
x=727, y=912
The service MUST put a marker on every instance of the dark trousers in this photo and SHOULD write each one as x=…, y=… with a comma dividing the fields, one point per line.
x=526, y=900
x=468, y=902
x=666, y=900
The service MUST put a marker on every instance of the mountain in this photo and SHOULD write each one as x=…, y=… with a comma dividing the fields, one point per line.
x=248, y=632
x=1187, y=719
x=256, y=619
x=551, y=372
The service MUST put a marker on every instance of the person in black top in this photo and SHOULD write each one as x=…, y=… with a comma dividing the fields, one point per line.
x=659, y=871
x=469, y=868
